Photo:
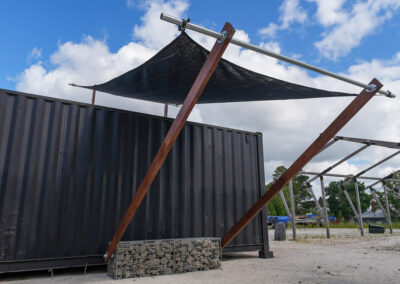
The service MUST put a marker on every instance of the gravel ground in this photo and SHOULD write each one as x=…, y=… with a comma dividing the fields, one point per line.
x=346, y=258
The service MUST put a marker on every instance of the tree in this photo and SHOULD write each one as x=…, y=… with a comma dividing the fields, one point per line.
x=302, y=198
x=393, y=197
x=337, y=202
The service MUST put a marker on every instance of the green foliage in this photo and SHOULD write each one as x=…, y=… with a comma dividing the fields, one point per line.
x=338, y=204
x=393, y=197
x=302, y=198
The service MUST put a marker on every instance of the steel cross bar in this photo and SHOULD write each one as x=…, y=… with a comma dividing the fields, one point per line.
x=285, y=204
x=351, y=204
x=347, y=114
x=388, y=177
x=343, y=176
x=359, y=207
x=377, y=164
x=379, y=204
x=326, y=218
x=330, y=143
x=197, y=88
x=292, y=205
x=187, y=25
x=339, y=162
x=387, y=207
x=309, y=187
x=393, y=145
x=359, y=220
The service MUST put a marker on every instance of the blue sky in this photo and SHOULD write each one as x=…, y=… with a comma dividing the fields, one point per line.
x=44, y=24
x=47, y=44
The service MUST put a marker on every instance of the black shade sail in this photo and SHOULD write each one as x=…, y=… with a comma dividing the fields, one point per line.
x=168, y=76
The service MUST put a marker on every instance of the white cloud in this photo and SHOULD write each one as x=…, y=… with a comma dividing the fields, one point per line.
x=35, y=54
x=290, y=12
x=288, y=127
x=330, y=12
x=153, y=32
x=350, y=27
x=270, y=30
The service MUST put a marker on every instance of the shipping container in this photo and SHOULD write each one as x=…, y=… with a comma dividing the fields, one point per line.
x=68, y=172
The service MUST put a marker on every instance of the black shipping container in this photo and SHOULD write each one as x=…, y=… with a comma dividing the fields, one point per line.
x=68, y=172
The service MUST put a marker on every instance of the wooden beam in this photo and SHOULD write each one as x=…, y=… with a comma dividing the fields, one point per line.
x=326, y=218
x=198, y=86
x=311, y=151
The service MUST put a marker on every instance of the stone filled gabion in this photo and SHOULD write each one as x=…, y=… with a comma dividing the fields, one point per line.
x=157, y=257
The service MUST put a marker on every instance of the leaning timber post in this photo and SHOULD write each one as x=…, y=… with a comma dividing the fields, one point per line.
x=343, y=118
x=292, y=205
x=387, y=207
x=360, y=220
x=198, y=86
x=326, y=218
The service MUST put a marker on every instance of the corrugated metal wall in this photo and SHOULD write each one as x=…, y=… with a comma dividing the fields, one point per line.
x=68, y=172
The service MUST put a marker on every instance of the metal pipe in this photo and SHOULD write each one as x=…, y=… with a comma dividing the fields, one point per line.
x=203, y=30
x=340, y=162
x=377, y=164
x=342, y=176
x=387, y=207
x=379, y=204
x=351, y=205
x=309, y=187
x=292, y=205
x=326, y=218
x=393, y=145
x=329, y=144
x=285, y=204
x=388, y=177
x=359, y=207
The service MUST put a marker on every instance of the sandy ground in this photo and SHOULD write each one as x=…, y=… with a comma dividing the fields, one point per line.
x=346, y=258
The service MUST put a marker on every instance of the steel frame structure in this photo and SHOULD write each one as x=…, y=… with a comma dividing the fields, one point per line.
x=353, y=178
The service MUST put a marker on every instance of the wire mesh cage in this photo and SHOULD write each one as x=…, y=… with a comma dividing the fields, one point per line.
x=157, y=257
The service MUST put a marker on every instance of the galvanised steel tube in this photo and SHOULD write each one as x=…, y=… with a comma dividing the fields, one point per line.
x=202, y=30
x=343, y=176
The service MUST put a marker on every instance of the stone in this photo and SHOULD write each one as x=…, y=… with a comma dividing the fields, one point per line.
x=150, y=258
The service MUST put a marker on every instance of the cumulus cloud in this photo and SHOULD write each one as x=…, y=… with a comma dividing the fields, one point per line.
x=290, y=12
x=153, y=32
x=350, y=25
x=330, y=12
x=288, y=126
